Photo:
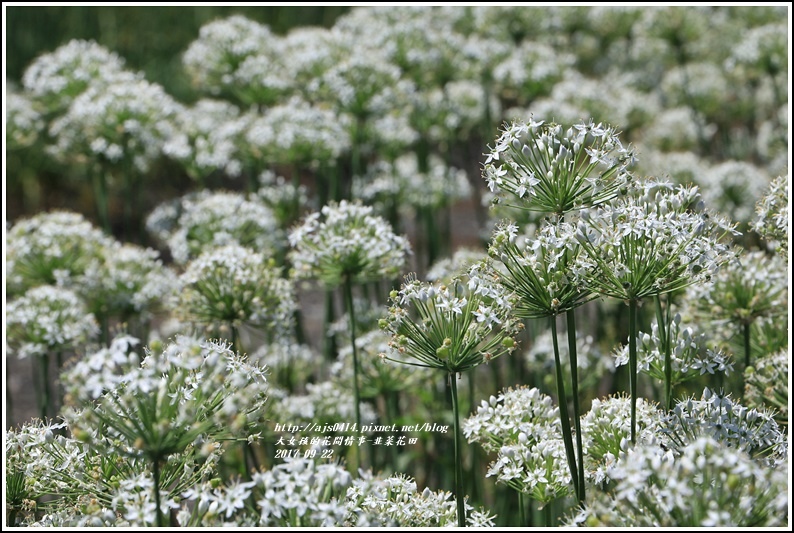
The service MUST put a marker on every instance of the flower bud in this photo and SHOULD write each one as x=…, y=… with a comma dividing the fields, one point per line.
x=442, y=352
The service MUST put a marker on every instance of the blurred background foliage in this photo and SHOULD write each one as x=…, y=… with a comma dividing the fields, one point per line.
x=151, y=39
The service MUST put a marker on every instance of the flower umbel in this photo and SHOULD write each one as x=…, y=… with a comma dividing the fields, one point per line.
x=345, y=241
x=554, y=170
x=234, y=285
x=452, y=327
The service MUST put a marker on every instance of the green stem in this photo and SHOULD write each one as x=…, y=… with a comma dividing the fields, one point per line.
x=486, y=115
x=668, y=363
x=101, y=198
x=458, y=458
x=253, y=180
x=351, y=312
x=329, y=342
x=633, y=366
x=233, y=329
x=59, y=392
x=9, y=405
x=156, y=475
x=432, y=236
x=474, y=463
x=355, y=151
x=563, y=401
x=333, y=187
x=497, y=380
x=392, y=403
x=104, y=330
x=322, y=185
x=575, y=391
x=130, y=194
x=300, y=336
x=251, y=454
x=44, y=380
x=746, y=344
x=296, y=182
x=547, y=514
x=522, y=519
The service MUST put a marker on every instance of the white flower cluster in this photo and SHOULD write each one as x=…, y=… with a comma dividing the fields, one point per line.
x=57, y=78
x=286, y=199
x=393, y=133
x=222, y=46
x=363, y=84
x=216, y=506
x=690, y=354
x=481, y=54
x=46, y=320
x=51, y=248
x=302, y=493
x=126, y=121
x=530, y=71
x=452, y=327
x=263, y=78
x=295, y=132
x=654, y=242
x=396, y=502
x=535, y=467
x=93, y=516
x=445, y=115
x=24, y=122
x=402, y=181
x=447, y=268
x=501, y=419
x=702, y=86
x=540, y=270
x=753, y=431
x=707, y=485
x=553, y=170
x=41, y=461
x=376, y=376
x=204, y=138
x=754, y=288
x=135, y=501
x=233, y=285
x=606, y=433
x=345, y=241
x=128, y=281
x=101, y=370
x=733, y=188
x=772, y=214
x=419, y=40
x=190, y=391
x=212, y=219
x=766, y=384
x=29, y=468
x=613, y=98
x=763, y=49
x=674, y=130
x=522, y=426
